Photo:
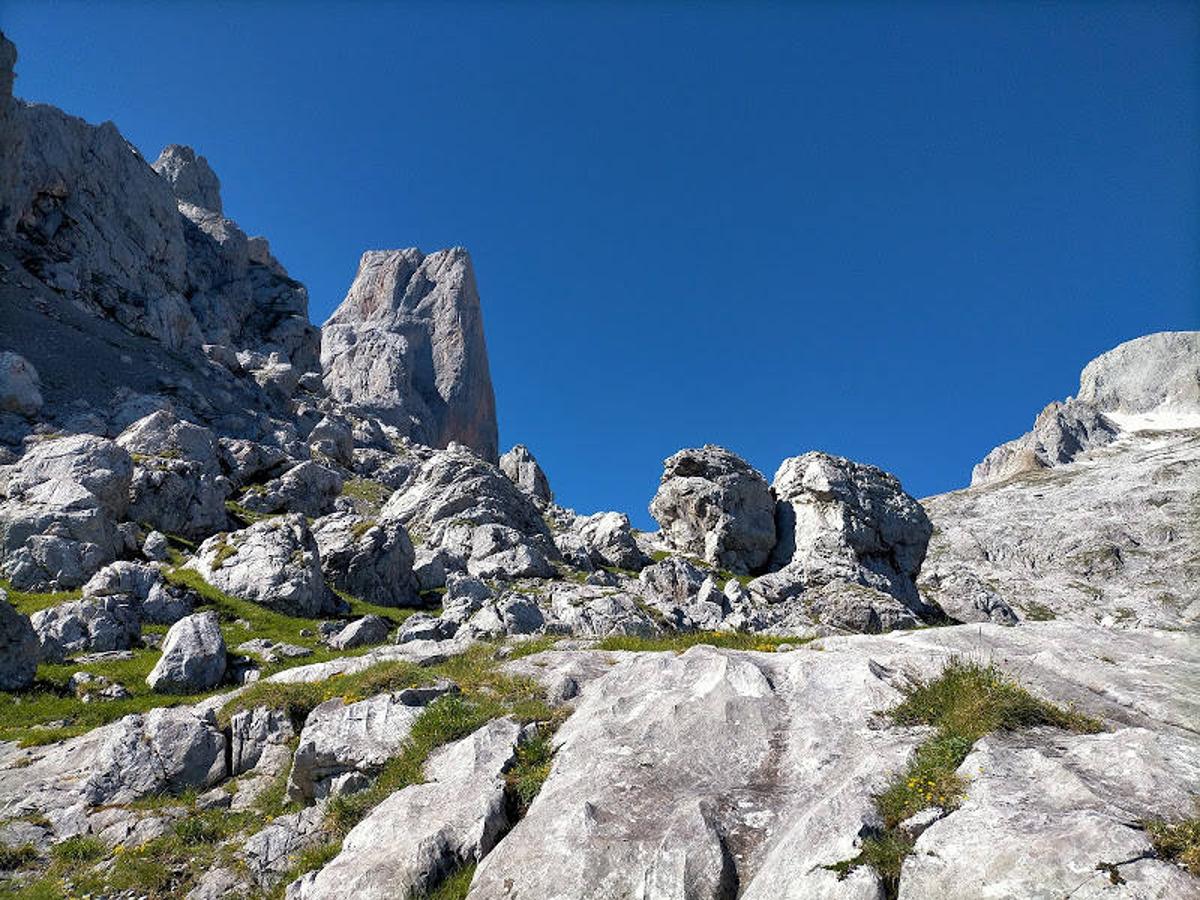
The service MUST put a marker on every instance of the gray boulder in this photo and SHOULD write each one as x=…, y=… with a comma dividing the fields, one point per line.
x=712, y=504
x=361, y=633
x=275, y=563
x=332, y=439
x=456, y=487
x=271, y=852
x=156, y=547
x=407, y=347
x=842, y=520
x=177, y=482
x=309, y=488
x=522, y=469
x=94, y=624
x=964, y=596
x=193, y=657
x=98, y=465
x=142, y=586
x=609, y=540
x=20, y=387
x=19, y=648
x=343, y=745
x=366, y=558
x=255, y=733
x=423, y=833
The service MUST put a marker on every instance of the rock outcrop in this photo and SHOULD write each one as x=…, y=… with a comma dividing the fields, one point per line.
x=407, y=346
x=1151, y=383
x=19, y=648
x=275, y=562
x=522, y=469
x=193, y=657
x=712, y=504
x=842, y=520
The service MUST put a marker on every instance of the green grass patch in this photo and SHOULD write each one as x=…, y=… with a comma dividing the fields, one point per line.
x=533, y=645
x=78, y=850
x=27, y=603
x=1038, y=612
x=366, y=489
x=531, y=769
x=965, y=702
x=13, y=858
x=455, y=886
x=680, y=641
x=1177, y=841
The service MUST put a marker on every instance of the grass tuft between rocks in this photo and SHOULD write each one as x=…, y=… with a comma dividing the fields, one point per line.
x=965, y=702
x=1178, y=841
x=680, y=641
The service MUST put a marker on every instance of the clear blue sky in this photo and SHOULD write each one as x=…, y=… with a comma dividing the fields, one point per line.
x=888, y=231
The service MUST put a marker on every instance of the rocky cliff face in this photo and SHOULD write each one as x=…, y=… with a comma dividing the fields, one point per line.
x=1092, y=515
x=407, y=346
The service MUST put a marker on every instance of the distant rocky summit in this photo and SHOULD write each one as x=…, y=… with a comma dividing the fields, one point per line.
x=278, y=619
x=407, y=346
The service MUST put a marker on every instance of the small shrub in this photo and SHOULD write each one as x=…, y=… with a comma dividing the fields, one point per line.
x=1177, y=841
x=13, y=858
x=530, y=770
x=78, y=850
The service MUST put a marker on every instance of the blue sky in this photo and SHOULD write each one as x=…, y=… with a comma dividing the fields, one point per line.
x=889, y=231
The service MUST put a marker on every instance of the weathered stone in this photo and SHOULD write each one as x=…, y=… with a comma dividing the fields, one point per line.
x=309, y=488
x=192, y=180
x=96, y=624
x=19, y=648
x=20, y=387
x=177, y=483
x=414, y=839
x=253, y=733
x=361, y=633
x=273, y=651
x=609, y=539
x=275, y=563
x=713, y=505
x=842, y=520
x=964, y=597
x=366, y=558
x=340, y=738
x=193, y=657
x=271, y=852
x=333, y=440
x=156, y=547
x=407, y=346
x=522, y=469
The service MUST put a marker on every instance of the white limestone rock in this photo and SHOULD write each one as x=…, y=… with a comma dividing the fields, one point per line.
x=275, y=563
x=713, y=505
x=409, y=843
x=407, y=346
x=193, y=657
x=521, y=467
x=19, y=648
x=20, y=387
x=369, y=559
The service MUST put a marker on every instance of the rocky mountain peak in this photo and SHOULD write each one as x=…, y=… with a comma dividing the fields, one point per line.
x=1151, y=382
x=407, y=345
x=190, y=176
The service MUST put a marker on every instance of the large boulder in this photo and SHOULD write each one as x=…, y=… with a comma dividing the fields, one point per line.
x=94, y=624
x=19, y=648
x=309, y=488
x=609, y=540
x=712, y=504
x=143, y=586
x=451, y=499
x=193, y=657
x=58, y=524
x=20, y=387
x=423, y=833
x=522, y=469
x=177, y=482
x=275, y=563
x=407, y=346
x=842, y=520
x=369, y=559
x=191, y=178
x=343, y=744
